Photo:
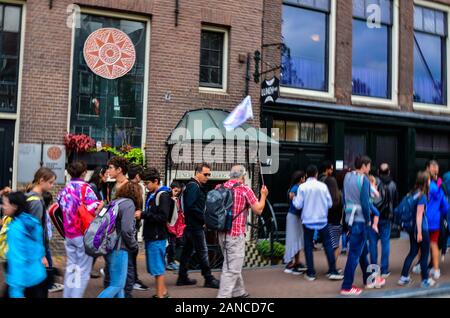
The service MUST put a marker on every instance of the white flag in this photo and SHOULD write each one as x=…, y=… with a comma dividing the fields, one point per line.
x=239, y=115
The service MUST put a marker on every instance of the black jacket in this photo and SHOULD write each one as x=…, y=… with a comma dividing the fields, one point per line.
x=194, y=200
x=392, y=194
x=156, y=218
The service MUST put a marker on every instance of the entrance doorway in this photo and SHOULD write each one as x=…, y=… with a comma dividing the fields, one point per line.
x=6, y=152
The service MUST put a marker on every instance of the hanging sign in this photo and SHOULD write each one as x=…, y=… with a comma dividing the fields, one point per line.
x=270, y=90
x=109, y=53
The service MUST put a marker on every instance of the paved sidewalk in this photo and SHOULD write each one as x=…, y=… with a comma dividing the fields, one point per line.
x=273, y=283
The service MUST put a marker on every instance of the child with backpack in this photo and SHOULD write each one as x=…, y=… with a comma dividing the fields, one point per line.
x=119, y=241
x=176, y=231
x=158, y=209
x=411, y=213
x=25, y=270
x=51, y=271
x=79, y=204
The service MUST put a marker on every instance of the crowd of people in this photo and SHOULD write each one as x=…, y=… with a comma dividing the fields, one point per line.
x=349, y=213
x=135, y=199
x=352, y=212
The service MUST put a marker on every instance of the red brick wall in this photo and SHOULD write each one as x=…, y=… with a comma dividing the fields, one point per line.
x=174, y=64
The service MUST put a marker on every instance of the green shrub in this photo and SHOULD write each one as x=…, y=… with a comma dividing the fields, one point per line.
x=263, y=247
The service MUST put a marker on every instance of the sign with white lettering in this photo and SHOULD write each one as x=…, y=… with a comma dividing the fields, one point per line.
x=270, y=90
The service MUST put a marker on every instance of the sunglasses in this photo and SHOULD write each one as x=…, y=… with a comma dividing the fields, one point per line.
x=207, y=174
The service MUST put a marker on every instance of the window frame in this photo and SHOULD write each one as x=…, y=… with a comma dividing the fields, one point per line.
x=328, y=95
x=117, y=15
x=444, y=108
x=21, y=6
x=393, y=71
x=224, y=89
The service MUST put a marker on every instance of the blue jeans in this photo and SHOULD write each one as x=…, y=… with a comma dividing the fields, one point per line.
x=384, y=235
x=118, y=268
x=424, y=247
x=308, y=238
x=357, y=252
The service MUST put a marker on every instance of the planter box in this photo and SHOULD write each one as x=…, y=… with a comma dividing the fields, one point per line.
x=92, y=159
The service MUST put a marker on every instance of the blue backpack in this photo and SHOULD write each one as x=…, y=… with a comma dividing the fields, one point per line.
x=404, y=213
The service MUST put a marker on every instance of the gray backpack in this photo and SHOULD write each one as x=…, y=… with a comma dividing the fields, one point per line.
x=218, y=208
x=101, y=237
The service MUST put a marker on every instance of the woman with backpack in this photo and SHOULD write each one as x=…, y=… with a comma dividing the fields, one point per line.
x=419, y=236
x=294, y=230
x=25, y=270
x=128, y=197
x=76, y=200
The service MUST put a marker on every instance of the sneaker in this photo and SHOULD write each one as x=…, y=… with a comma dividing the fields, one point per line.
x=404, y=281
x=335, y=276
x=172, y=267
x=435, y=273
x=295, y=271
x=139, y=286
x=379, y=282
x=416, y=269
x=427, y=283
x=288, y=269
x=166, y=295
x=186, y=281
x=301, y=267
x=354, y=291
x=212, y=283
x=310, y=278
x=246, y=295
x=56, y=288
x=386, y=275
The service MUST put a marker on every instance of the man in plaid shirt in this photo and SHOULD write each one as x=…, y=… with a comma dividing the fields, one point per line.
x=233, y=242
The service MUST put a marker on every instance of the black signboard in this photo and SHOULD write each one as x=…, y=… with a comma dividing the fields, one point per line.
x=270, y=90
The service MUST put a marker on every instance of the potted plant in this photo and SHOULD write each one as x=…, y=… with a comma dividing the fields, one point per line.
x=263, y=247
x=82, y=147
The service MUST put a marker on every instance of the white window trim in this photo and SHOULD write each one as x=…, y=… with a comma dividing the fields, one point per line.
x=445, y=108
x=118, y=15
x=16, y=116
x=224, y=88
x=328, y=95
x=393, y=101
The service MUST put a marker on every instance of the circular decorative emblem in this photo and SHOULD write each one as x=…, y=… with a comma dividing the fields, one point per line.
x=109, y=53
x=54, y=153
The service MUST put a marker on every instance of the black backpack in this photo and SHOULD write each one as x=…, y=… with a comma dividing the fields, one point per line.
x=219, y=208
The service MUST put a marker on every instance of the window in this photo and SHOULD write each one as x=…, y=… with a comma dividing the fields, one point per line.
x=213, y=58
x=306, y=132
x=305, y=33
x=371, y=71
x=433, y=142
x=10, y=28
x=355, y=145
x=110, y=111
x=430, y=36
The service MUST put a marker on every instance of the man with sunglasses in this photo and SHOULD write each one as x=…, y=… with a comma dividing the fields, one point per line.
x=194, y=199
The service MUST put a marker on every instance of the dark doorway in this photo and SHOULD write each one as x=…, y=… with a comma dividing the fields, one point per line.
x=380, y=146
x=6, y=152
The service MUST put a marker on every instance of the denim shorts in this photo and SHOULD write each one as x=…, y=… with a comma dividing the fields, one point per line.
x=155, y=252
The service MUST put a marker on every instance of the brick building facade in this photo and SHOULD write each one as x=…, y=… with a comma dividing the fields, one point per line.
x=399, y=128
x=45, y=83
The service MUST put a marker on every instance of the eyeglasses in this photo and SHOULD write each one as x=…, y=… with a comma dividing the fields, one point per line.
x=207, y=174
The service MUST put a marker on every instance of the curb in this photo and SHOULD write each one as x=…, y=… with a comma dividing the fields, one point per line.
x=438, y=290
